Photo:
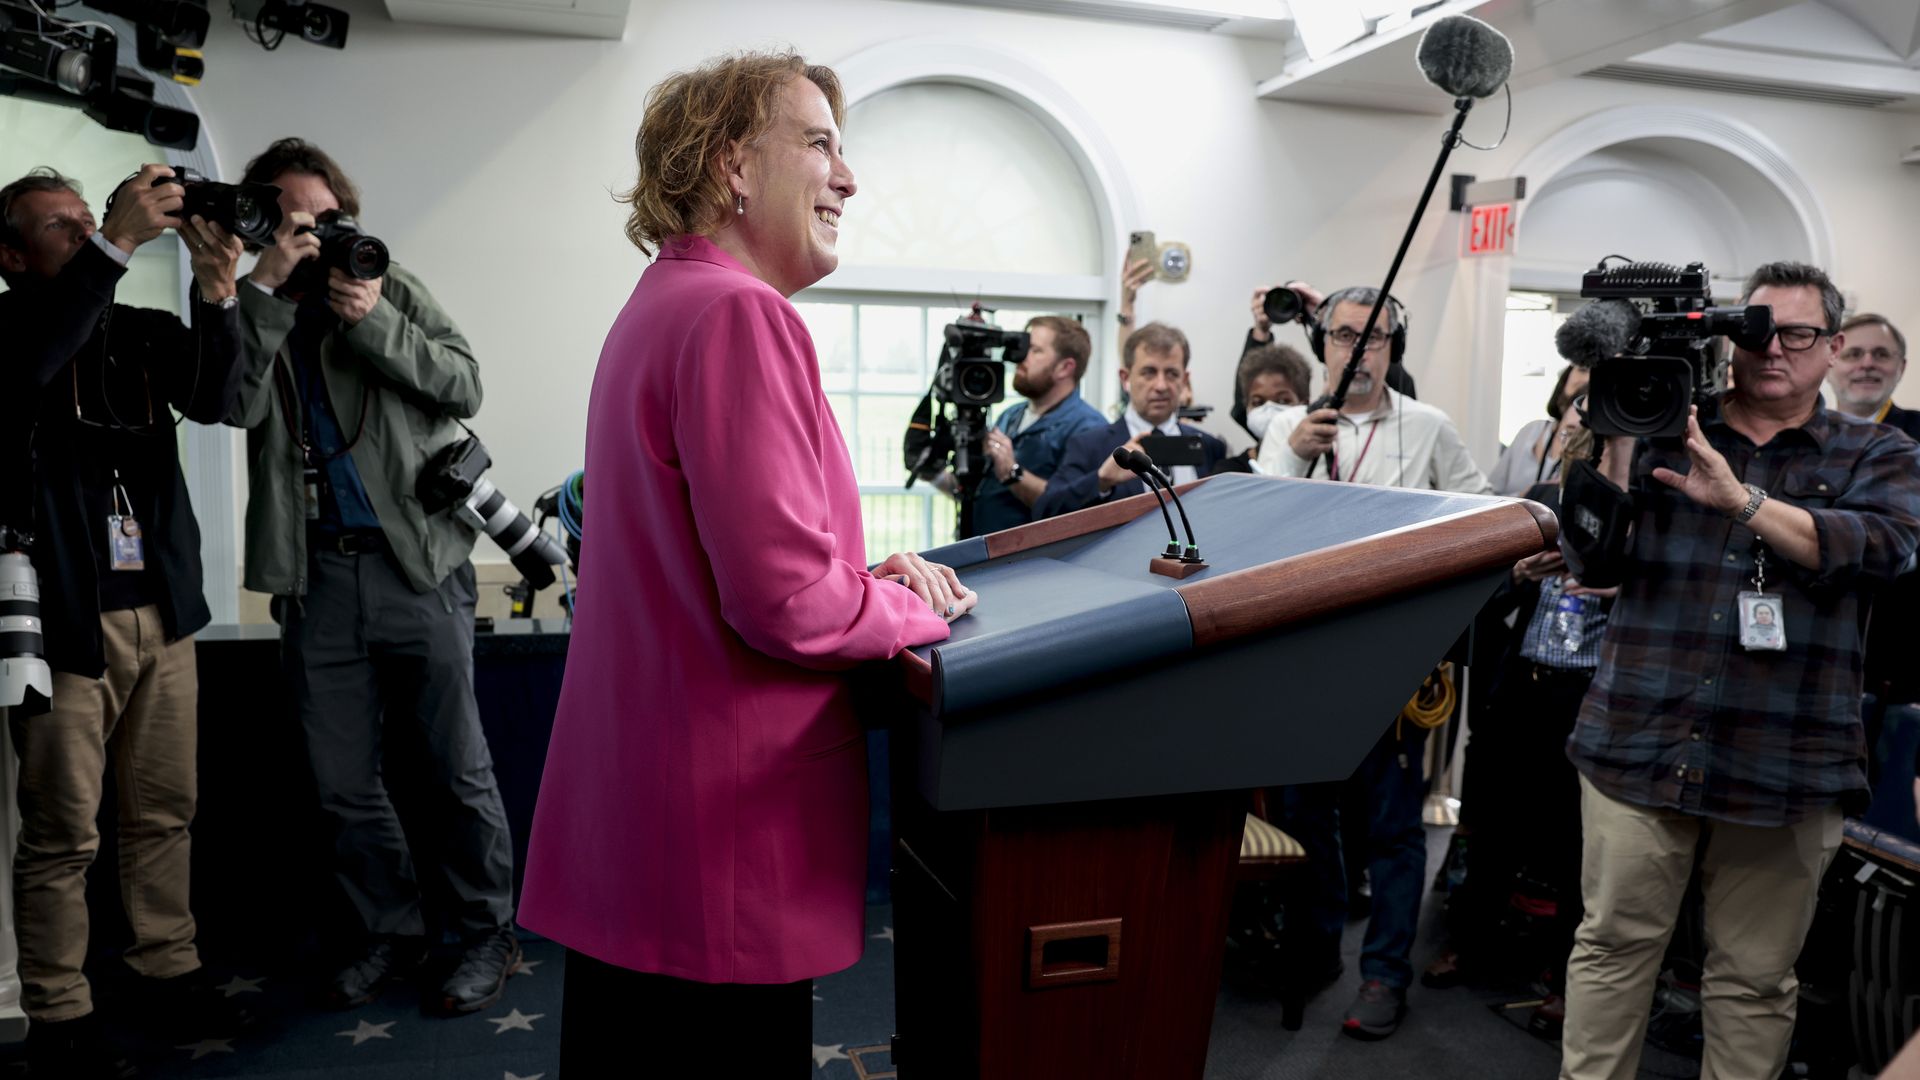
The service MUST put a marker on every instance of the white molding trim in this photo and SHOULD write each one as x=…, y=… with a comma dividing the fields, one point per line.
x=1631, y=123
x=947, y=284
x=1018, y=79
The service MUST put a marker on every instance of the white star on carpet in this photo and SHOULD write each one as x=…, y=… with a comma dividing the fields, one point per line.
x=886, y=934
x=535, y=1076
x=526, y=968
x=368, y=1031
x=238, y=985
x=514, y=1021
x=208, y=1046
x=824, y=1054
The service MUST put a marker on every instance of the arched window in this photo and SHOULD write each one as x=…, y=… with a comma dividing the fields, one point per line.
x=964, y=194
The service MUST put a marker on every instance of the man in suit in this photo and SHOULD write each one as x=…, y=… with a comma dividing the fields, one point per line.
x=1154, y=369
x=1868, y=370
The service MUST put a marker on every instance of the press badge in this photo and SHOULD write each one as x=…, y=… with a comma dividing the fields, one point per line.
x=1763, y=617
x=125, y=549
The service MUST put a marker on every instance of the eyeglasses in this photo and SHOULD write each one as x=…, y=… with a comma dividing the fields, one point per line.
x=1346, y=338
x=1855, y=353
x=1799, y=338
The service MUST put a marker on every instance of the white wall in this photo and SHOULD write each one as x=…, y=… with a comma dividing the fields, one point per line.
x=486, y=161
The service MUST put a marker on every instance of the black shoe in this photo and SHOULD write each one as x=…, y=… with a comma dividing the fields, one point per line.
x=77, y=1049
x=481, y=976
x=360, y=982
x=189, y=1007
x=1376, y=1013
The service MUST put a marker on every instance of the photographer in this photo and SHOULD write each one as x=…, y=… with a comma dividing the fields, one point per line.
x=1026, y=442
x=1311, y=305
x=89, y=466
x=1708, y=738
x=1154, y=371
x=351, y=386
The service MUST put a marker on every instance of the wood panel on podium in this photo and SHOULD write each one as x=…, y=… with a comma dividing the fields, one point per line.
x=1072, y=767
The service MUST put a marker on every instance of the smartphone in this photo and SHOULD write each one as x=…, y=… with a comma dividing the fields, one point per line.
x=1141, y=245
x=1170, y=450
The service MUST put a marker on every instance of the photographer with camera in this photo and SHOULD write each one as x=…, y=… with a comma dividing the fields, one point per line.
x=1154, y=371
x=1026, y=441
x=1715, y=735
x=89, y=468
x=1299, y=302
x=352, y=385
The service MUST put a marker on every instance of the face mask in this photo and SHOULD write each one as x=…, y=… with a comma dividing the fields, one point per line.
x=1260, y=419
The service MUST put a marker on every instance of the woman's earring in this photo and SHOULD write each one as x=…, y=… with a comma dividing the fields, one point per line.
x=739, y=204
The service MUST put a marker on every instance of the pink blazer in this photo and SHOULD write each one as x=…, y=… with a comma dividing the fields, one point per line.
x=703, y=811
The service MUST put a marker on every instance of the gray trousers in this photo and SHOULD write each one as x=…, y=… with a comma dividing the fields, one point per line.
x=370, y=660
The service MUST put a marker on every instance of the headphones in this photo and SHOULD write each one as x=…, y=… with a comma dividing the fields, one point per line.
x=1396, y=316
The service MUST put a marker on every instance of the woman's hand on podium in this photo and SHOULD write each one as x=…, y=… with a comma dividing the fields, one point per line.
x=933, y=583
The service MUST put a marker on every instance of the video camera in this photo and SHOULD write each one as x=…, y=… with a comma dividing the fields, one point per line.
x=77, y=63
x=970, y=376
x=343, y=247
x=1666, y=359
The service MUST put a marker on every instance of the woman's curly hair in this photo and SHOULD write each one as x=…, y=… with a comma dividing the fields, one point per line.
x=689, y=119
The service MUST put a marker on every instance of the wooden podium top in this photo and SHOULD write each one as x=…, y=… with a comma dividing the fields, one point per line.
x=1077, y=589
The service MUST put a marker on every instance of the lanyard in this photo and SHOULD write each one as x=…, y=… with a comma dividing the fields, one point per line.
x=1333, y=468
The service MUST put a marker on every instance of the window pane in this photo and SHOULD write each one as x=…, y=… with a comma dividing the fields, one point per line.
x=878, y=457
x=832, y=329
x=894, y=523
x=892, y=357
x=1531, y=365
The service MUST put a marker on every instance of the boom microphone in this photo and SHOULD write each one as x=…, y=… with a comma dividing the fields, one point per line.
x=1465, y=57
x=1598, y=330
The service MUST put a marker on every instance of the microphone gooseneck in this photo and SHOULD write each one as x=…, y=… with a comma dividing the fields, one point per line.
x=1146, y=467
x=1123, y=458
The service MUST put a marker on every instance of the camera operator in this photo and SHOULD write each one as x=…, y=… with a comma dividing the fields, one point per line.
x=349, y=391
x=1027, y=440
x=89, y=466
x=1154, y=371
x=1378, y=437
x=1708, y=737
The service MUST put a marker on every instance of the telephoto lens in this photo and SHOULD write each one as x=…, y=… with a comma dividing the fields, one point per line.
x=456, y=480
x=1283, y=305
x=25, y=680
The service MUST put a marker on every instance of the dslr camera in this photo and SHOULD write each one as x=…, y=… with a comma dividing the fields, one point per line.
x=248, y=211
x=1669, y=359
x=456, y=479
x=343, y=247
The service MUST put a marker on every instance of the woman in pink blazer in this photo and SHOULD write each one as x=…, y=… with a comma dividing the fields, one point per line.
x=700, y=841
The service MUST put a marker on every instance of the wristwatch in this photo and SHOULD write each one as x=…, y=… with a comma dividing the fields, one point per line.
x=1014, y=476
x=1755, y=496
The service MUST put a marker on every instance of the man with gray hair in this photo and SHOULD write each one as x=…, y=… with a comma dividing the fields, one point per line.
x=1868, y=370
x=1710, y=740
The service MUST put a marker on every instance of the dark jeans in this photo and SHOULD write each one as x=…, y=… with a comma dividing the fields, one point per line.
x=371, y=662
x=658, y=1025
x=1396, y=859
x=1526, y=799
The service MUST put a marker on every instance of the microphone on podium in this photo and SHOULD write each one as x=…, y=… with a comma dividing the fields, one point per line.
x=1124, y=458
x=1144, y=466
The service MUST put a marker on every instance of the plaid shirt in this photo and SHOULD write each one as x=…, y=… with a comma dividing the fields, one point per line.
x=1680, y=716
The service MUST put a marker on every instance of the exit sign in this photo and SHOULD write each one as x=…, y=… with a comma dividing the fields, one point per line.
x=1489, y=230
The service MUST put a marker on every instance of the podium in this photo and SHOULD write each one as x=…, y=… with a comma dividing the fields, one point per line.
x=1072, y=767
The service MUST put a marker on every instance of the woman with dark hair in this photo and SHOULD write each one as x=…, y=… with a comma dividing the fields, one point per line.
x=1534, y=455
x=700, y=839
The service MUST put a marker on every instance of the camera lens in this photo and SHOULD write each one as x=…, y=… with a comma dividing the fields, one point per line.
x=1643, y=396
x=366, y=258
x=1282, y=305
x=977, y=382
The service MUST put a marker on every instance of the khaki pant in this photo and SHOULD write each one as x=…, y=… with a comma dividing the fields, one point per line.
x=1759, y=885
x=142, y=713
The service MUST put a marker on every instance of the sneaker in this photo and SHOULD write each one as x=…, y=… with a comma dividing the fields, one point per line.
x=189, y=1007
x=481, y=975
x=77, y=1049
x=1549, y=1017
x=385, y=961
x=1377, y=1011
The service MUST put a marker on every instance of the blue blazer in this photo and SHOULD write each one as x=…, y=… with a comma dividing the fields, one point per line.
x=1075, y=485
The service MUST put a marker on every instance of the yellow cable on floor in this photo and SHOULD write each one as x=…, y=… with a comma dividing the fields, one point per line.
x=1432, y=703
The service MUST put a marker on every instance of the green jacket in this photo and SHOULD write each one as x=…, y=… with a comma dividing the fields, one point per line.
x=407, y=354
